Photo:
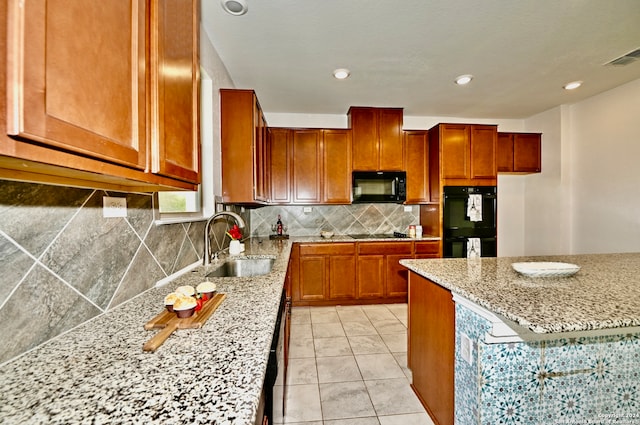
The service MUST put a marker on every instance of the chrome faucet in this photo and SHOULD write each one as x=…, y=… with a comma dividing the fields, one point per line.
x=206, y=258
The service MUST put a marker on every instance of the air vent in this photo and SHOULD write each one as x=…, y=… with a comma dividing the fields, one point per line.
x=625, y=59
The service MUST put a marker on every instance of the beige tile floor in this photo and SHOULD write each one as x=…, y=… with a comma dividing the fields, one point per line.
x=347, y=366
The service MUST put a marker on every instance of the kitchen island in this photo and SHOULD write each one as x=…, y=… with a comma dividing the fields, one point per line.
x=98, y=372
x=526, y=350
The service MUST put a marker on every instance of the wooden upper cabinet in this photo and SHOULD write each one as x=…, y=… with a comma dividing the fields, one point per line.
x=81, y=65
x=307, y=166
x=176, y=102
x=466, y=153
x=519, y=152
x=416, y=164
x=336, y=154
x=261, y=156
x=102, y=94
x=483, y=152
x=456, y=155
x=243, y=143
x=377, y=138
x=320, y=163
x=280, y=164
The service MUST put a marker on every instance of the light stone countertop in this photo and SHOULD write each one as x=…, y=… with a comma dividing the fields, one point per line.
x=98, y=372
x=604, y=294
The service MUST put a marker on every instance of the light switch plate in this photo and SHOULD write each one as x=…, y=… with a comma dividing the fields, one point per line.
x=114, y=207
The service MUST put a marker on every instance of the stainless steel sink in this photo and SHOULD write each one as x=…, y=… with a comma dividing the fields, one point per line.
x=243, y=267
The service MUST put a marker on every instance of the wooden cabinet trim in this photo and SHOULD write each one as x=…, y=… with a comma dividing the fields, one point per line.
x=384, y=248
x=328, y=248
x=427, y=247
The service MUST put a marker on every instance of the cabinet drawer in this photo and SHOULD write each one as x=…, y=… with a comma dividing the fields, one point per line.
x=427, y=247
x=368, y=248
x=328, y=249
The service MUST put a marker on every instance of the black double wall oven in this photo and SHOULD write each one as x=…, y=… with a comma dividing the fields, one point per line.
x=469, y=221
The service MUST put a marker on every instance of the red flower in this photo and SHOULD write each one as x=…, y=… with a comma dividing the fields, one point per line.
x=234, y=233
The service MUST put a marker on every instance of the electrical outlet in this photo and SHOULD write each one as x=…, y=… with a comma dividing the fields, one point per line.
x=408, y=208
x=114, y=207
x=466, y=348
x=307, y=210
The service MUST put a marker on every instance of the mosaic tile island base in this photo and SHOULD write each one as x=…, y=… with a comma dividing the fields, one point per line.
x=544, y=350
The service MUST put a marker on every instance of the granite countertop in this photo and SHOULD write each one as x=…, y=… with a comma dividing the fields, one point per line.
x=98, y=372
x=604, y=294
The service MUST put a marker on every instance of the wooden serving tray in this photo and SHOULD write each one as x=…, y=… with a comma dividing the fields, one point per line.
x=169, y=322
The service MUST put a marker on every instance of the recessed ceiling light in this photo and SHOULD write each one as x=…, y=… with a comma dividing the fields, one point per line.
x=341, y=73
x=235, y=7
x=464, y=79
x=572, y=85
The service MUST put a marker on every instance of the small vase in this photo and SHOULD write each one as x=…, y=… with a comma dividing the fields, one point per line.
x=234, y=247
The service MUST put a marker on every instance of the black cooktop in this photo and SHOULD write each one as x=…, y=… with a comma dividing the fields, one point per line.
x=379, y=235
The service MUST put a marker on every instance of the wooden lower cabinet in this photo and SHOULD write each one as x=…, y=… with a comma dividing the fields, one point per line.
x=353, y=273
x=326, y=273
x=342, y=277
x=370, y=276
x=380, y=274
x=313, y=274
x=428, y=249
x=432, y=347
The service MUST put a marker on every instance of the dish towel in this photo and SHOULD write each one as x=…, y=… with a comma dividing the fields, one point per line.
x=474, y=207
x=473, y=248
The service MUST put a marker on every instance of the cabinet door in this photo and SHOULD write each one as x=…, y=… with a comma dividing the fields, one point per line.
x=416, y=150
x=371, y=275
x=280, y=164
x=432, y=346
x=342, y=277
x=504, y=152
x=454, y=144
x=527, y=152
x=312, y=277
x=390, y=144
x=483, y=152
x=307, y=163
x=397, y=276
x=260, y=156
x=175, y=99
x=237, y=133
x=364, y=125
x=78, y=73
x=336, y=166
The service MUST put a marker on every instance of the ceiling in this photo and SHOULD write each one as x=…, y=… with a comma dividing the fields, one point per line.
x=408, y=53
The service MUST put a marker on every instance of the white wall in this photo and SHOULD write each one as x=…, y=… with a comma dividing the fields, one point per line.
x=586, y=200
x=605, y=171
x=216, y=71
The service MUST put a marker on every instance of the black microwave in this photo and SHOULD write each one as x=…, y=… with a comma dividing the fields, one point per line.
x=379, y=186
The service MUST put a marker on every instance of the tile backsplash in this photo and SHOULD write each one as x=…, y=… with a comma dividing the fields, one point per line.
x=341, y=219
x=62, y=263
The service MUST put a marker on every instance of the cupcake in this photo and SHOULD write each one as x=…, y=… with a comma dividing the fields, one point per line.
x=186, y=290
x=184, y=306
x=207, y=289
x=170, y=299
